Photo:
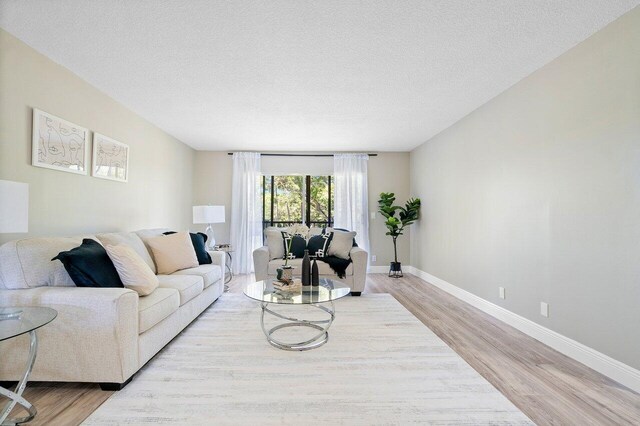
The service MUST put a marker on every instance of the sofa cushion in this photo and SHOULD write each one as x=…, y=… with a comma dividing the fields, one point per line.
x=27, y=263
x=132, y=240
x=323, y=267
x=157, y=306
x=188, y=286
x=89, y=265
x=173, y=252
x=209, y=273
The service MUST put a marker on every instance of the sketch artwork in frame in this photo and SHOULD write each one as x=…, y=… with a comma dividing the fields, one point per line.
x=59, y=144
x=110, y=159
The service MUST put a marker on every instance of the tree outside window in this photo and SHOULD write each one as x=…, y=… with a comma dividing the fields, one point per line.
x=297, y=199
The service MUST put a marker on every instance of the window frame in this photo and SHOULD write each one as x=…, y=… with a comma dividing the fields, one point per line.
x=307, y=200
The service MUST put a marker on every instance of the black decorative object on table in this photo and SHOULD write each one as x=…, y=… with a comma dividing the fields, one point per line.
x=306, y=269
x=315, y=276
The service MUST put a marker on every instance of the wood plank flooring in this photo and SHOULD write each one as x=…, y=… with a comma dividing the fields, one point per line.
x=547, y=386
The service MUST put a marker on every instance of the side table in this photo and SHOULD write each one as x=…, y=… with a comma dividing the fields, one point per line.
x=16, y=321
x=228, y=249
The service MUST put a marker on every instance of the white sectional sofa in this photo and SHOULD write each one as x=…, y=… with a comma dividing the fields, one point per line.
x=102, y=335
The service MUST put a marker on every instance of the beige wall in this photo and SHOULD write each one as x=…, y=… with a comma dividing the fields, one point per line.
x=538, y=191
x=388, y=172
x=212, y=177
x=159, y=189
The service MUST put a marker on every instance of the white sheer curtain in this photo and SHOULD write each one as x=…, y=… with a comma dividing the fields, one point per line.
x=246, y=210
x=351, y=195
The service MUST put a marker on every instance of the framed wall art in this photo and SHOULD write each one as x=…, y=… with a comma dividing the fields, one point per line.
x=110, y=159
x=59, y=144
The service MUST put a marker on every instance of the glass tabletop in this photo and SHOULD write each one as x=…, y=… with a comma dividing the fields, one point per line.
x=23, y=319
x=327, y=291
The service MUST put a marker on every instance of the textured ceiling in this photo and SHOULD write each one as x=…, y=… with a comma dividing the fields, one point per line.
x=305, y=75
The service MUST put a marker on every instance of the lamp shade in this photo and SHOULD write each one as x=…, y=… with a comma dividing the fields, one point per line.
x=208, y=214
x=14, y=207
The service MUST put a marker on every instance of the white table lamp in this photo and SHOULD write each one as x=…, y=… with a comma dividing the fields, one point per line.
x=14, y=207
x=208, y=215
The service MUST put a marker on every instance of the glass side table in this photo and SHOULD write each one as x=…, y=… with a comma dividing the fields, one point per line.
x=228, y=249
x=15, y=322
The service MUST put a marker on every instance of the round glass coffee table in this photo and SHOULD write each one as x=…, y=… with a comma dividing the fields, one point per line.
x=15, y=322
x=320, y=297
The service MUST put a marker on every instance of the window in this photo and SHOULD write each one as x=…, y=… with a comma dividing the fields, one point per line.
x=287, y=200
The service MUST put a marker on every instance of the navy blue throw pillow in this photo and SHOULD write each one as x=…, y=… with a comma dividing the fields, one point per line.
x=89, y=265
x=298, y=245
x=198, y=241
x=318, y=244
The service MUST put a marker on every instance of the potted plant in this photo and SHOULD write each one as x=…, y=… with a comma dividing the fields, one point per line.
x=395, y=225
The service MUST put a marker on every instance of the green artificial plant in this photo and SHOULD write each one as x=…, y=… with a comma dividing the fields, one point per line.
x=405, y=216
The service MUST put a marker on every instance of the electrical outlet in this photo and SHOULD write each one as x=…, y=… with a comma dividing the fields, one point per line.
x=373, y=215
x=501, y=292
x=373, y=257
x=544, y=309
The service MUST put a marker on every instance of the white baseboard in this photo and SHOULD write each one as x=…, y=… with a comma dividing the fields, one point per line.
x=381, y=269
x=604, y=364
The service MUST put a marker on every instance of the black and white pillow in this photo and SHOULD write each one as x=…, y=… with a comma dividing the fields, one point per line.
x=298, y=245
x=319, y=244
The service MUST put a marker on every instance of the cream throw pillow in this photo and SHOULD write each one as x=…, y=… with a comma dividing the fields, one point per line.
x=275, y=242
x=341, y=244
x=134, y=272
x=173, y=252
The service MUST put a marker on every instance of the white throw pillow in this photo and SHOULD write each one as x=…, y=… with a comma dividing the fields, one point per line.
x=313, y=231
x=341, y=244
x=275, y=242
x=134, y=272
x=173, y=252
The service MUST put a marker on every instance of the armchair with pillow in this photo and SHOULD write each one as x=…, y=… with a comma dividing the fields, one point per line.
x=339, y=257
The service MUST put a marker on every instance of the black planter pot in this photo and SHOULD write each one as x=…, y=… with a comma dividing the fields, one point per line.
x=395, y=270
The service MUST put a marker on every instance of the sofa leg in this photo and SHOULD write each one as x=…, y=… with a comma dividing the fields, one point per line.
x=356, y=293
x=115, y=386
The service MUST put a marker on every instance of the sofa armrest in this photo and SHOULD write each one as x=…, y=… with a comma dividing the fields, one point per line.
x=219, y=258
x=261, y=263
x=360, y=258
x=93, y=339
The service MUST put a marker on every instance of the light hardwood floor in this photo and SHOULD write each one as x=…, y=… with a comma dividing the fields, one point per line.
x=547, y=386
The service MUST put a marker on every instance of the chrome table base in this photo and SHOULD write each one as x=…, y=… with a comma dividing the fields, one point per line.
x=322, y=326
x=15, y=397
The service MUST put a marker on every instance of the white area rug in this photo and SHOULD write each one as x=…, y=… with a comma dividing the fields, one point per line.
x=380, y=366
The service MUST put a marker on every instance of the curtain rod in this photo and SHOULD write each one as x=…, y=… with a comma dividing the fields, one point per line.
x=300, y=155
